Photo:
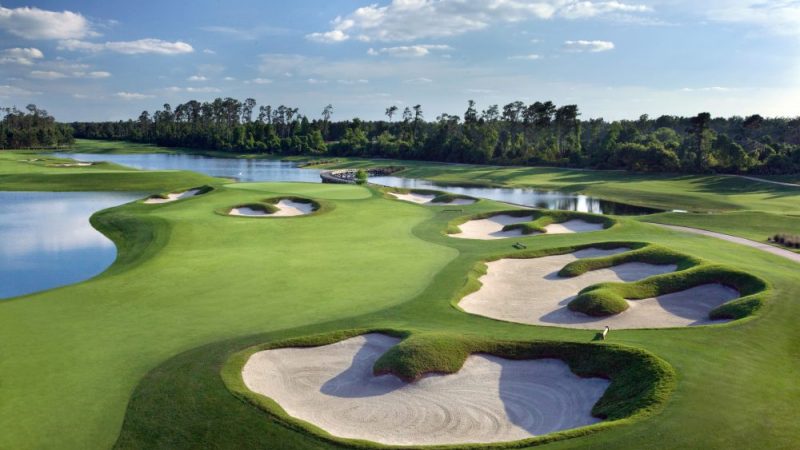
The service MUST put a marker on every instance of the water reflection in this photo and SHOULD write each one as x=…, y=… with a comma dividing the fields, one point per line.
x=272, y=170
x=46, y=239
x=523, y=196
x=241, y=169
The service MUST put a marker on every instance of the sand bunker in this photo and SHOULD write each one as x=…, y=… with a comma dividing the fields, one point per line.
x=492, y=227
x=530, y=291
x=172, y=197
x=490, y=399
x=286, y=208
x=427, y=199
x=76, y=164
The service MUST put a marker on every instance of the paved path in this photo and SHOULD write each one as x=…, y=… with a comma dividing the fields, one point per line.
x=762, y=180
x=758, y=245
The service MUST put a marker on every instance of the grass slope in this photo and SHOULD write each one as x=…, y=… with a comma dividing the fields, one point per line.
x=145, y=342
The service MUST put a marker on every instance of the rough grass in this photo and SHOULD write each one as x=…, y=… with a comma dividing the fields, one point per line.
x=640, y=382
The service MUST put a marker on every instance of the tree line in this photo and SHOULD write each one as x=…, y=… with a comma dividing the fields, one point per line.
x=540, y=133
x=32, y=128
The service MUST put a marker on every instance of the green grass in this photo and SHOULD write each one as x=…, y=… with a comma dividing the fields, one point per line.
x=640, y=381
x=30, y=171
x=135, y=356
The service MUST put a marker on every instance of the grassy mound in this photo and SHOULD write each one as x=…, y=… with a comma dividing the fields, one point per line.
x=268, y=206
x=640, y=381
x=438, y=196
x=541, y=219
x=650, y=254
x=605, y=298
x=205, y=189
x=274, y=201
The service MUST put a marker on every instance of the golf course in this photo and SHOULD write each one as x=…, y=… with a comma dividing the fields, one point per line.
x=288, y=314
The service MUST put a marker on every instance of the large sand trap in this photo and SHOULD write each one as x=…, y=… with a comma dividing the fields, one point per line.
x=490, y=399
x=286, y=208
x=75, y=164
x=530, y=291
x=172, y=197
x=427, y=199
x=492, y=227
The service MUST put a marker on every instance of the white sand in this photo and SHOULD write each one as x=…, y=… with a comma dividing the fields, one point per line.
x=172, y=197
x=77, y=164
x=489, y=400
x=286, y=208
x=492, y=227
x=530, y=291
x=427, y=199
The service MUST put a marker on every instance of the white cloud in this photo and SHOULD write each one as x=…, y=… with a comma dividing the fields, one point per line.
x=706, y=89
x=352, y=82
x=98, y=74
x=132, y=95
x=274, y=64
x=588, y=46
x=776, y=16
x=13, y=91
x=316, y=81
x=24, y=56
x=408, y=50
x=328, y=37
x=197, y=78
x=205, y=89
x=408, y=20
x=35, y=23
x=584, y=9
x=261, y=81
x=531, y=57
x=229, y=79
x=418, y=80
x=156, y=46
x=47, y=74
x=208, y=51
x=55, y=75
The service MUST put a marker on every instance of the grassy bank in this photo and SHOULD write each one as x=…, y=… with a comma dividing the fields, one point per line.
x=134, y=356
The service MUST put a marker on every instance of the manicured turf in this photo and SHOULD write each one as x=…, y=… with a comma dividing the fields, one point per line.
x=146, y=341
x=32, y=171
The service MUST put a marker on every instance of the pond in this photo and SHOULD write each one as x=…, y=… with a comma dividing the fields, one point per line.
x=272, y=170
x=47, y=240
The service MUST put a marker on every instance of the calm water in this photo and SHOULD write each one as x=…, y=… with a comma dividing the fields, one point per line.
x=46, y=240
x=270, y=170
x=241, y=169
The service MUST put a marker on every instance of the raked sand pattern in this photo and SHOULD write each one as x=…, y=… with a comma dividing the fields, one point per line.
x=490, y=399
x=530, y=291
x=492, y=227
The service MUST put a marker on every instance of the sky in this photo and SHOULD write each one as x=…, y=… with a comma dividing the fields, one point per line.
x=110, y=60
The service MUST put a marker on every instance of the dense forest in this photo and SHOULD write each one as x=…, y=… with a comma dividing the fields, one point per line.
x=32, y=128
x=540, y=133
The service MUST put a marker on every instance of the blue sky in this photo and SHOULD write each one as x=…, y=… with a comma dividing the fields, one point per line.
x=110, y=60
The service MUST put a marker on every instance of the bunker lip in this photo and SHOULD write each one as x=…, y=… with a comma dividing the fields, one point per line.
x=530, y=291
x=491, y=399
x=429, y=198
x=493, y=227
x=283, y=208
x=174, y=196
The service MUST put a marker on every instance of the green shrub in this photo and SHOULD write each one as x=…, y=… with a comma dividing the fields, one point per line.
x=361, y=176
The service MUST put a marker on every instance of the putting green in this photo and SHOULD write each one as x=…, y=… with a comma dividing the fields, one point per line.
x=134, y=355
